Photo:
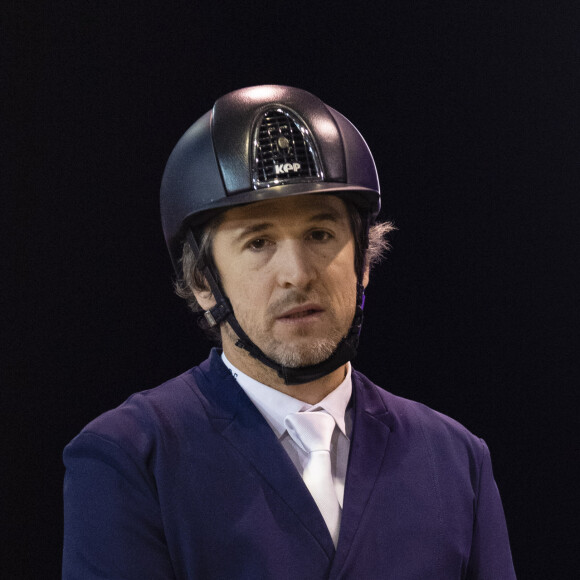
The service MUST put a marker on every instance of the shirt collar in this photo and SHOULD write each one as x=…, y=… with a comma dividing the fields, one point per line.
x=275, y=405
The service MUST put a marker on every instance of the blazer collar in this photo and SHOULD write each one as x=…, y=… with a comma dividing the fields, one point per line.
x=237, y=419
x=371, y=428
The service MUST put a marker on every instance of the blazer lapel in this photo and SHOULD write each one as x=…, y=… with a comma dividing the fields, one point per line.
x=240, y=423
x=371, y=428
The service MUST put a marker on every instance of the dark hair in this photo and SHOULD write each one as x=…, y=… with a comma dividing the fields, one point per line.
x=192, y=266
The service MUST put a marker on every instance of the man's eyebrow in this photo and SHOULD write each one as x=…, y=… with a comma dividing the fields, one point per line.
x=263, y=226
x=325, y=216
x=254, y=229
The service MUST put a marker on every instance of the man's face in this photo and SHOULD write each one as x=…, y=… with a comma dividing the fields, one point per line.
x=287, y=267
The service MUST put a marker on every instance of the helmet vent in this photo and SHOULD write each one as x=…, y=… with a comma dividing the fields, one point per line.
x=284, y=151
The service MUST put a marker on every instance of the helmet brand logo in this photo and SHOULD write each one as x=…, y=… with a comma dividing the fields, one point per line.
x=286, y=168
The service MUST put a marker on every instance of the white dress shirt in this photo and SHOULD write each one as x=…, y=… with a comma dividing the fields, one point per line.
x=275, y=405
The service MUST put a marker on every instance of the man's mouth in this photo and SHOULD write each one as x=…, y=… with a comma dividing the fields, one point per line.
x=301, y=312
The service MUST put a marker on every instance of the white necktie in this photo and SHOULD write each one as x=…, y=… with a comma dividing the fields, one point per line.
x=312, y=431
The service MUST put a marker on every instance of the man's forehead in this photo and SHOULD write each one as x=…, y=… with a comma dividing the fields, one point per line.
x=299, y=207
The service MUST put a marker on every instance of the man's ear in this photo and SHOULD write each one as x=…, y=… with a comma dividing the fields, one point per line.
x=204, y=298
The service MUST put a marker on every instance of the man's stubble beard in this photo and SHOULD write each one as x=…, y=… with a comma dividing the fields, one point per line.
x=287, y=353
x=291, y=355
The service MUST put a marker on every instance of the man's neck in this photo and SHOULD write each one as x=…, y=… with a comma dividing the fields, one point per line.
x=311, y=393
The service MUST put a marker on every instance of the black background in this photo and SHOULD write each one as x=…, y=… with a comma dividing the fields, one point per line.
x=471, y=110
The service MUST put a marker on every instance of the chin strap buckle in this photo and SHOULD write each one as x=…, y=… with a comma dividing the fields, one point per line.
x=219, y=312
x=209, y=318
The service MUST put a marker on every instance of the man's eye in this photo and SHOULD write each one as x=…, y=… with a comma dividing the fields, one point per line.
x=258, y=244
x=320, y=235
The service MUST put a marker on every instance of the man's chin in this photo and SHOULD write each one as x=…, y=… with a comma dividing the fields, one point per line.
x=304, y=355
x=294, y=351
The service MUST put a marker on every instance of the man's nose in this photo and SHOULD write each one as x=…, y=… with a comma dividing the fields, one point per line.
x=295, y=265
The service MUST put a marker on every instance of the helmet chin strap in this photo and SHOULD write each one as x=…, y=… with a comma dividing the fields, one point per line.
x=223, y=312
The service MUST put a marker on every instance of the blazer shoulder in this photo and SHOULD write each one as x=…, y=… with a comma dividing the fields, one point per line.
x=417, y=419
x=150, y=415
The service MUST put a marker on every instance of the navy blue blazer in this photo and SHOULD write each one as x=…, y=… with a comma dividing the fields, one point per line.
x=187, y=480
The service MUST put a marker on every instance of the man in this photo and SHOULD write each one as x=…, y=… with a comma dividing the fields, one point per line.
x=274, y=458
